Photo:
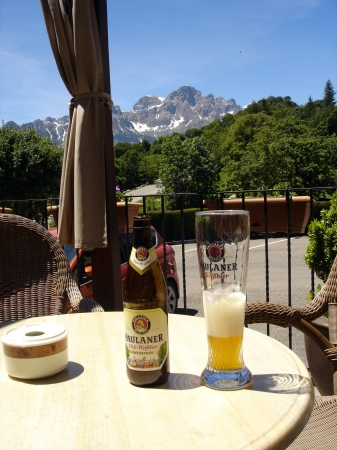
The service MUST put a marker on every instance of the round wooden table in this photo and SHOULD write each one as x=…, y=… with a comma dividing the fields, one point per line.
x=92, y=405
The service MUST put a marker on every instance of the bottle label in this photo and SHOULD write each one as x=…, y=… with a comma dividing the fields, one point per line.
x=146, y=338
x=142, y=259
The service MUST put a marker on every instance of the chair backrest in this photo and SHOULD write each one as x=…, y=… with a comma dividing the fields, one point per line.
x=34, y=270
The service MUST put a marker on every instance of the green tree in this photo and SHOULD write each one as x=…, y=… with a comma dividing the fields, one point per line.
x=173, y=171
x=329, y=94
x=331, y=124
x=193, y=132
x=156, y=146
x=121, y=148
x=215, y=132
x=234, y=145
x=262, y=152
x=313, y=159
x=146, y=145
x=135, y=164
x=127, y=169
x=149, y=168
x=279, y=106
x=263, y=164
x=30, y=165
x=308, y=108
x=322, y=248
x=188, y=166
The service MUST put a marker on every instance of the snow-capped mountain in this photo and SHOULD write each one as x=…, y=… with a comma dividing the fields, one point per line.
x=151, y=116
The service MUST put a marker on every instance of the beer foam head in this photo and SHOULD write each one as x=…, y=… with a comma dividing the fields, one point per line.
x=224, y=312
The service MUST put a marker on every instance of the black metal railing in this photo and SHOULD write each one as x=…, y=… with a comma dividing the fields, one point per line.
x=40, y=210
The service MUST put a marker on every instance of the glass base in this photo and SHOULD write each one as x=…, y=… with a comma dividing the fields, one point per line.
x=226, y=381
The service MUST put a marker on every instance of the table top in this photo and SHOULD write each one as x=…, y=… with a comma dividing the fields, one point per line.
x=91, y=404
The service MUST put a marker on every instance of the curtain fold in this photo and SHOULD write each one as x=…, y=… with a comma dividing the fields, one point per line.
x=72, y=27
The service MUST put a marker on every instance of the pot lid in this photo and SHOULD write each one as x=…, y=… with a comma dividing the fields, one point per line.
x=34, y=334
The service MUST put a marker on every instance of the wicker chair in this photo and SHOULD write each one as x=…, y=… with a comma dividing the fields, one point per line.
x=321, y=430
x=35, y=279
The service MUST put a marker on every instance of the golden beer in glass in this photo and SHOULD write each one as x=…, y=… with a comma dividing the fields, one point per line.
x=222, y=245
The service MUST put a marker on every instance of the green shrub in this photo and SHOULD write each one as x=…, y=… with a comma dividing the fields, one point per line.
x=318, y=206
x=322, y=248
x=173, y=223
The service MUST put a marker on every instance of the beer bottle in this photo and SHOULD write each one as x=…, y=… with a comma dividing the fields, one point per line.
x=145, y=311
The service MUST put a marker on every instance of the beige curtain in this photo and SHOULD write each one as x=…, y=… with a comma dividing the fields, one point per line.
x=74, y=36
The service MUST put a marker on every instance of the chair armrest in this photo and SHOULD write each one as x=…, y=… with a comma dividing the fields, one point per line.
x=333, y=323
x=282, y=316
x=89, y=305
x=331, y=354
x=258, y=312
x=78, y=303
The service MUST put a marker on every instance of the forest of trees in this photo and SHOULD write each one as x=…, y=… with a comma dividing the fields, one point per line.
x=272, y=144
x=30, y=165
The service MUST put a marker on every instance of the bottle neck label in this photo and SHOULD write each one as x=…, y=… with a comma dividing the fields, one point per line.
x=146, y=338
x=142, y=259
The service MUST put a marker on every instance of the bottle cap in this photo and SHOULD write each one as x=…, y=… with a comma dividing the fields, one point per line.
x=141, y=221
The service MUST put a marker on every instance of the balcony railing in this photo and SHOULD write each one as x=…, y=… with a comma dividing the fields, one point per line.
x=262, y=221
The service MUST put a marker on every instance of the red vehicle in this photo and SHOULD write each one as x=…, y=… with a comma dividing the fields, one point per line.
x=80, y=265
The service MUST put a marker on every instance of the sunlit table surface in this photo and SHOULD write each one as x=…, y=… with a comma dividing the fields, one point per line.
x=92, y=405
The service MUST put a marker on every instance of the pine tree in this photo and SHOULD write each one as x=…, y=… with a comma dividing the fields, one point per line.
x=308, y=108
x=329, y=94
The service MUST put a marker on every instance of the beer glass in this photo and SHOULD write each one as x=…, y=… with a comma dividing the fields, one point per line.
x=222, y=247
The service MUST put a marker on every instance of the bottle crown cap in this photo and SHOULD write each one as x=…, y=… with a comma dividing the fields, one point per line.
x=142, y=221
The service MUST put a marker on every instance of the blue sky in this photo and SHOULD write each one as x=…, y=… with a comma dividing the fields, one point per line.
x=241, y=49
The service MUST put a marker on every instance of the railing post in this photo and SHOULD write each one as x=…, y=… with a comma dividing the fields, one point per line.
x=310, y=219
x=289, y=261
x=163, y=233
x=44, y=214
x=128, y=250
x=144, y=205
x=182, y=231
x=266, y=249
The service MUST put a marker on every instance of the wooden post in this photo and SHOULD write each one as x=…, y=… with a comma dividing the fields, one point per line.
x=106, y=275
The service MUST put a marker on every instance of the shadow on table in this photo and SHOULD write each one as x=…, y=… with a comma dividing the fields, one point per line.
x=283, y=383
x=73, y=370
x=180, y=382
x=11, y=322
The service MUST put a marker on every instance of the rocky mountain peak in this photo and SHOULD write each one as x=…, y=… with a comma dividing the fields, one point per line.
x=185, y=94
x=147, y=102
x=151, y=116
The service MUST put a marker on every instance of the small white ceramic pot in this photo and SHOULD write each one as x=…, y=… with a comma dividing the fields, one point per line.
x=35, y=350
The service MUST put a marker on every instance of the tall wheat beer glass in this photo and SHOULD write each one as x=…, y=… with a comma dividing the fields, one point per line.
x=222, y=246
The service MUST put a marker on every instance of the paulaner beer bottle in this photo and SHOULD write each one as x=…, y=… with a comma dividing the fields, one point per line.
x=145, y=311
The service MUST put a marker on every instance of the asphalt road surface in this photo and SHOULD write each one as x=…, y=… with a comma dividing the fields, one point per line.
x=256, y=285
x=145, y=190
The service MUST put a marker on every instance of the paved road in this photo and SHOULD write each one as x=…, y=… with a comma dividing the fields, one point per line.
x=145, y=190
x=278, y=281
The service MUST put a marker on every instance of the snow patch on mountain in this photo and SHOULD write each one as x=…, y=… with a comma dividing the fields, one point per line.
x=151, y=116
